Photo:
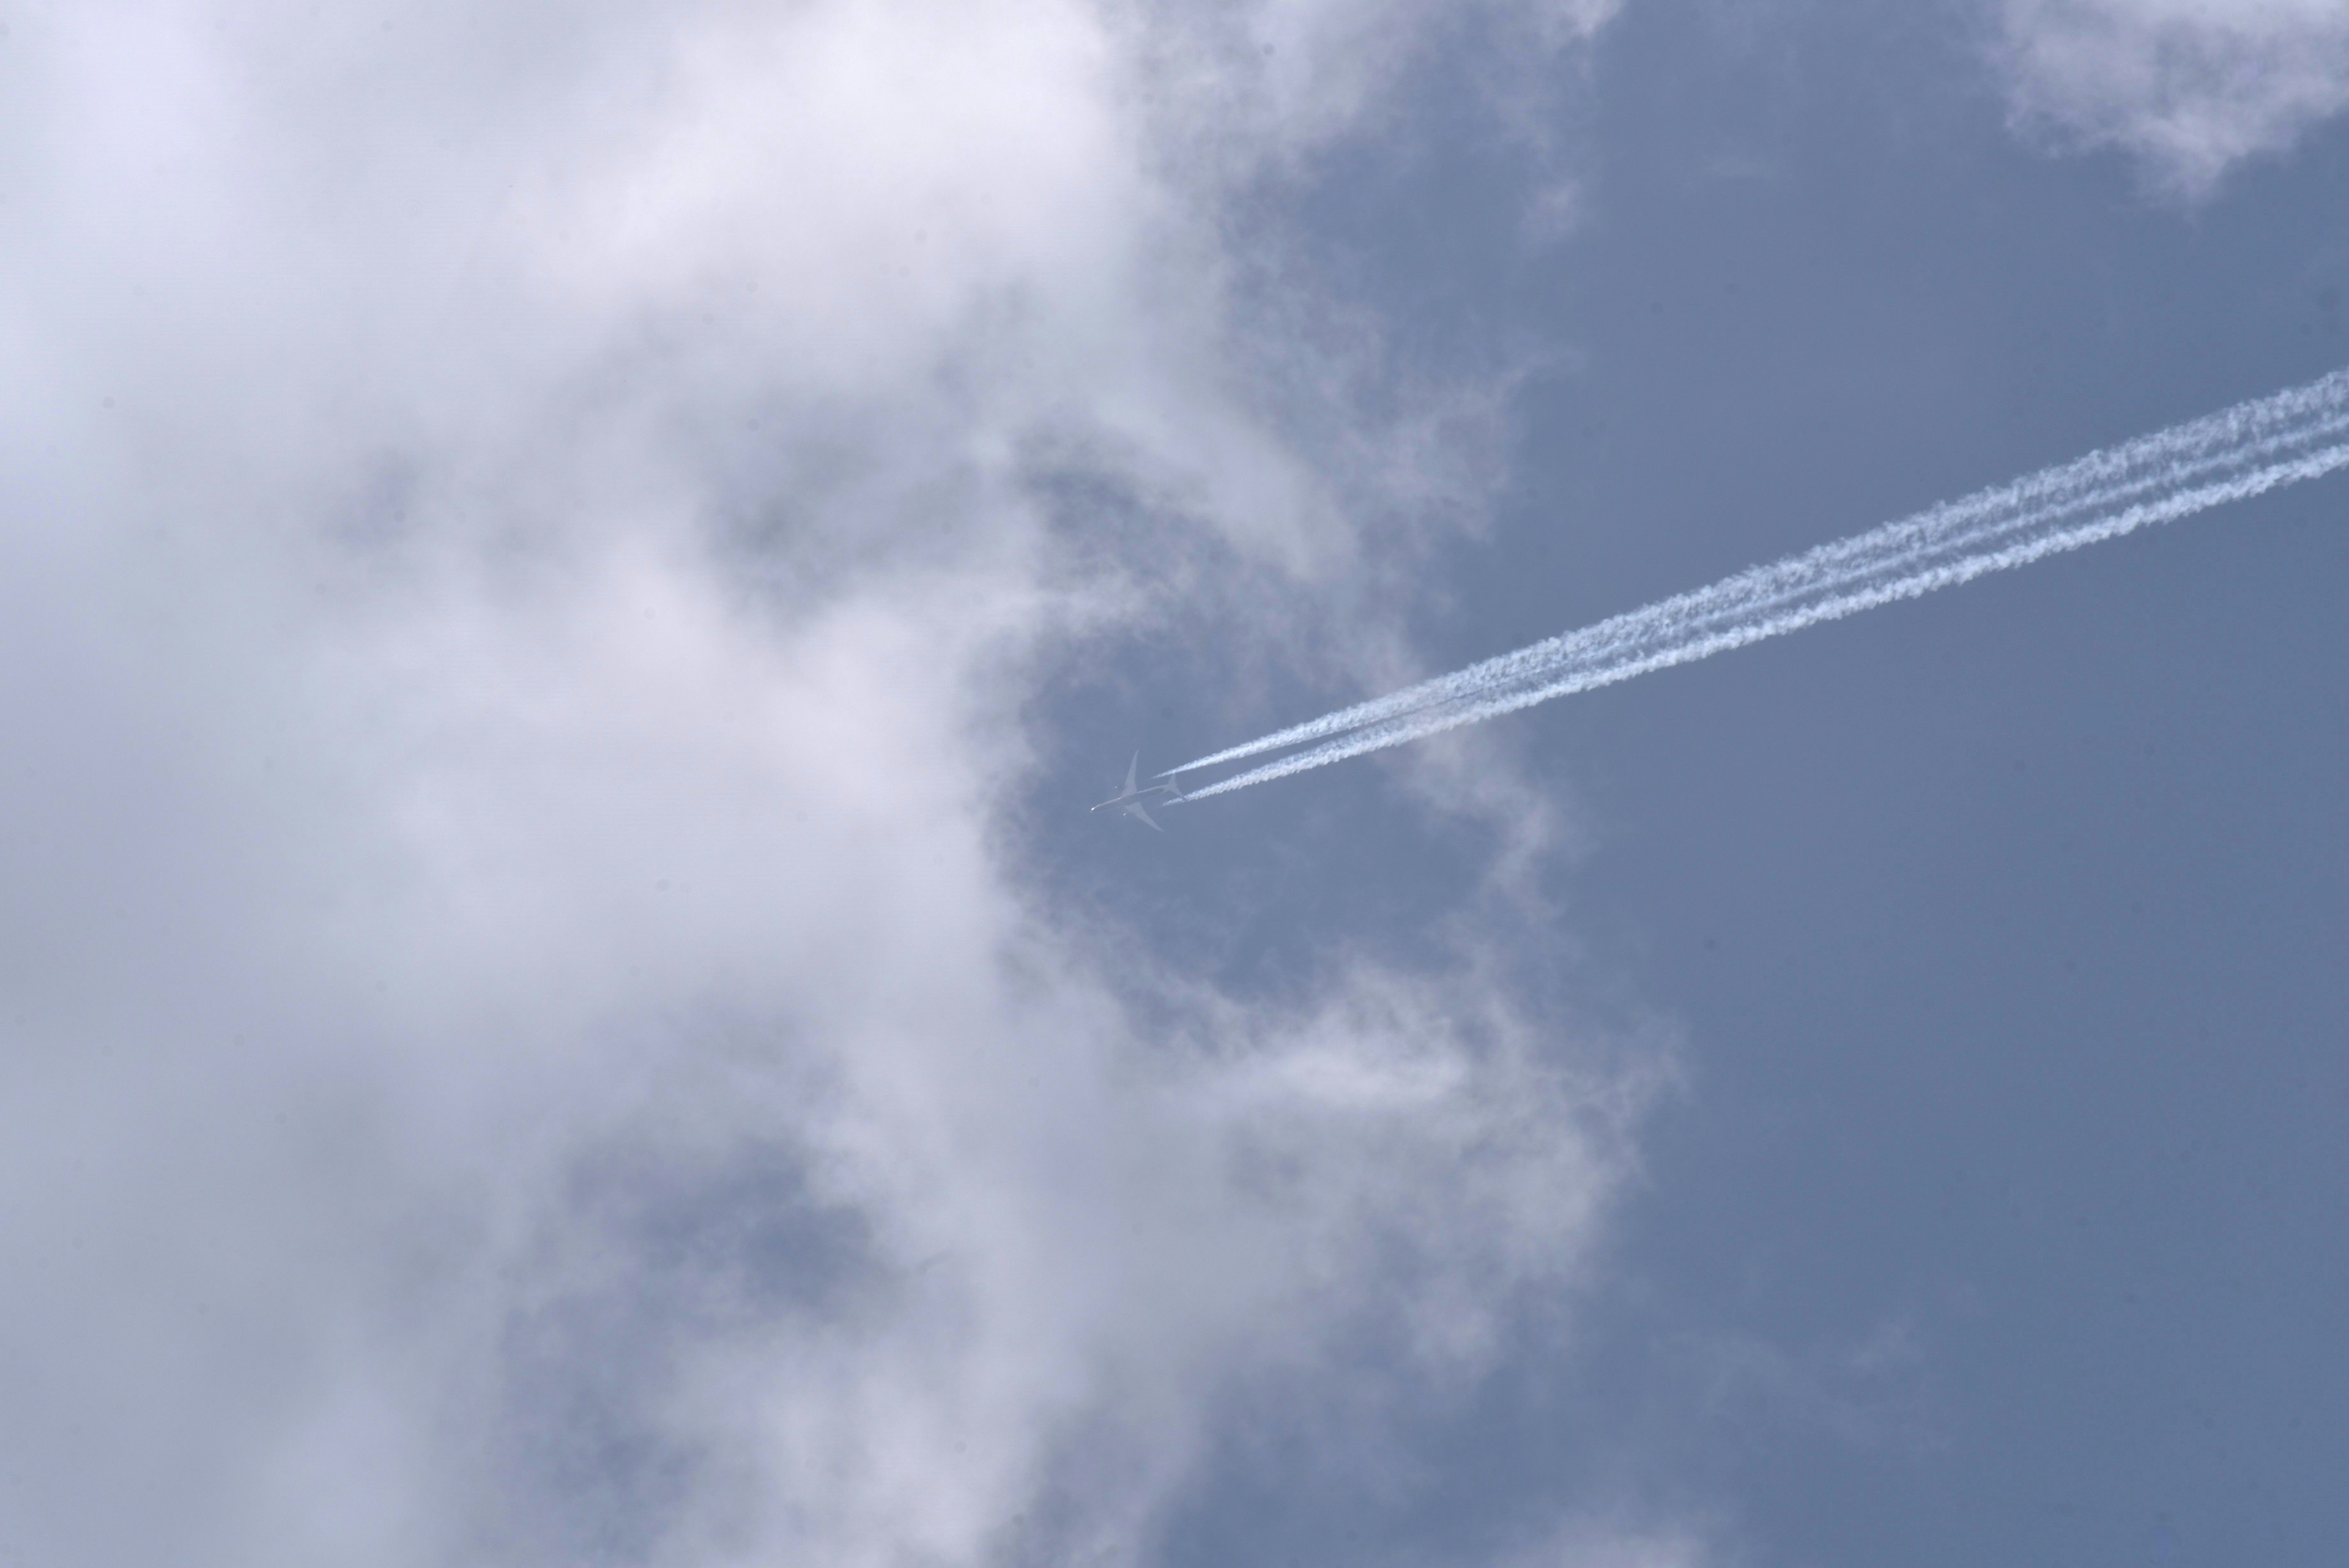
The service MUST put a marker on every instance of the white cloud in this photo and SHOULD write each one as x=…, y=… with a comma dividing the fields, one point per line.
x=1308, y=71
x=2191, y=87
x=524, y=592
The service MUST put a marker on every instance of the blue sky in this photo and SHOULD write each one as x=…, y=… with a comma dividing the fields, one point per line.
x=570, y=576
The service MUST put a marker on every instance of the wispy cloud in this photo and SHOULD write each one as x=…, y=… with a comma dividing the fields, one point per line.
x=2189, y=88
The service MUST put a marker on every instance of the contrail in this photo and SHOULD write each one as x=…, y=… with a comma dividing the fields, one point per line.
x=2231, y=455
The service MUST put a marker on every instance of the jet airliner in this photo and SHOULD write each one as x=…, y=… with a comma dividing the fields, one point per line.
x=1129, y=799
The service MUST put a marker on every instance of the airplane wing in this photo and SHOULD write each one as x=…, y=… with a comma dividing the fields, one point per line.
x=1135, y=806
x=1129, y=771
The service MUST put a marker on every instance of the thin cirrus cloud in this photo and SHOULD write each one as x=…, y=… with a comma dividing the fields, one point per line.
x=526, y=1042
x=2189, y=88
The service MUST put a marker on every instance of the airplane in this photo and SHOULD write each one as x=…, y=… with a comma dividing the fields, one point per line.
x=1129, y=799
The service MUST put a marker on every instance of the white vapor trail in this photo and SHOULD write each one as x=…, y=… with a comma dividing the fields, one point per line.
x=2231, y=455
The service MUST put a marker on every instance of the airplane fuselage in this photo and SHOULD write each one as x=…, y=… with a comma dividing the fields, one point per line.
x=1129, y=800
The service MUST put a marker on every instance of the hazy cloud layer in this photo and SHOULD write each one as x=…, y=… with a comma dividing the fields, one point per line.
x=533, y=543
x=2191, y=87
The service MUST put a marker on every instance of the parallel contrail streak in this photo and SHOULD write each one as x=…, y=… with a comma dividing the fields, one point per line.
x=2231, y=455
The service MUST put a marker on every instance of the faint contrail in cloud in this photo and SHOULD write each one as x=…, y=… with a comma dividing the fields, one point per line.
x=2231, y=455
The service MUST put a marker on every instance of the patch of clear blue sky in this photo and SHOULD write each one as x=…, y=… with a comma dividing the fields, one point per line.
x=2004, y=929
